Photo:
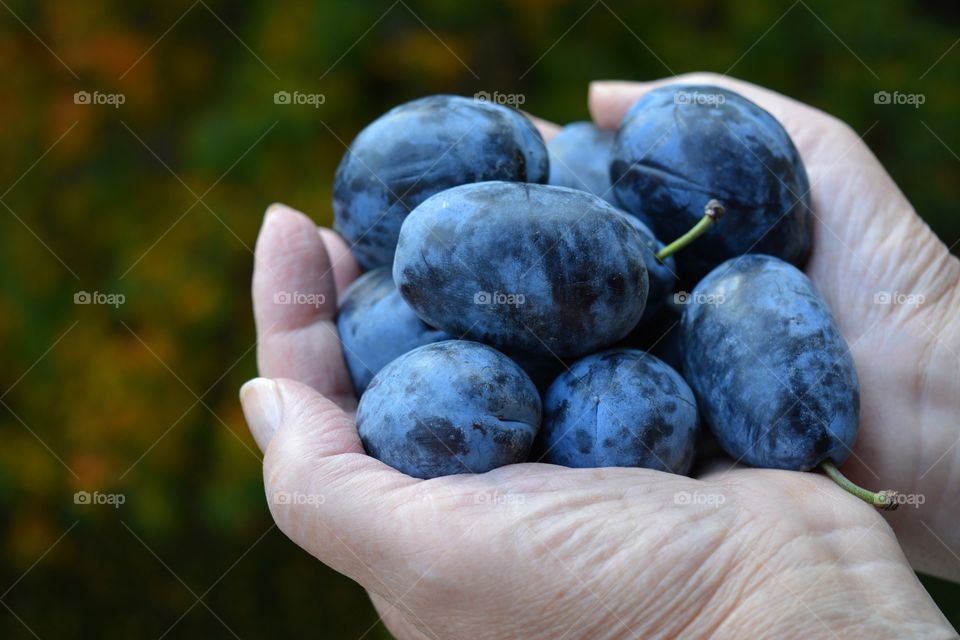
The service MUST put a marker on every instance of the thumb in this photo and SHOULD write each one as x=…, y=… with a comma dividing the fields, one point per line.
x=340, y=505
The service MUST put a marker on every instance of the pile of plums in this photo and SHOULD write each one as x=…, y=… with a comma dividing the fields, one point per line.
x=528, y=302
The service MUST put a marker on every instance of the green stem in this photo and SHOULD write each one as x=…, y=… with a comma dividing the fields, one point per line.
x=886, y=500
x=712, y=212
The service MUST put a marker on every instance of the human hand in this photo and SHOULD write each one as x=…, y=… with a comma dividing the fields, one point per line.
x=536, y=550
x=868, y=240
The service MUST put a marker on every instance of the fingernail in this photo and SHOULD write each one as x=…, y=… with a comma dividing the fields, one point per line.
x=599, y=87
x=277, y=208
x=263, y=409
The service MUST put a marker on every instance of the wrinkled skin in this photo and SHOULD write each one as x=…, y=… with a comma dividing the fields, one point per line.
x=773, y=376
x=539, y=551
x=573, y=265
x=580, y=159
x=421, y=148
x=376, y=326
x=670, y=159
x=619, y=408
x=449, y=407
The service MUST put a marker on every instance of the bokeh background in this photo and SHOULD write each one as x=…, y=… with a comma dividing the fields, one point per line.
x=159, y=199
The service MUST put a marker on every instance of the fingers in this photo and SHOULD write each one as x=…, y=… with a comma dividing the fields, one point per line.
x=295, y=303
x=345, y=267
x=330, y=498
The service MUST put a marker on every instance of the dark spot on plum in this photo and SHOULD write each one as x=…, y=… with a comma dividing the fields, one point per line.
x=438, y=438
x=584, y=441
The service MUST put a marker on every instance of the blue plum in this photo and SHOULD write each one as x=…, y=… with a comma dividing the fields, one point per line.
x=376, y=326
x=523, y=267
x=661, y=274
x=449, y=407
x=580, y=159
x=773, y=376
x=660, y=336
x=421, y=148
x=681, y=145
x=619, y=408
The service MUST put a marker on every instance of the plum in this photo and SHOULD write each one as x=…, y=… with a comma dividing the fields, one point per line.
x=580, y=159
x=774, y=379
x=421, y=148
x=681, y=145
x=619, y=408
x=661, y=274
x=660, y=335
x=376, y=326
x=523, y=267
x=449, y=407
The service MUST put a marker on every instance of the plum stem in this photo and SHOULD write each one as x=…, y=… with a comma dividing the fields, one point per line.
x=886, y=500
x=712, y=212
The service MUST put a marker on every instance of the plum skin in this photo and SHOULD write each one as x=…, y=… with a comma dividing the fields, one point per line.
x=573, y=264
x=418, y=149
x=774, y=379
x=661, y=274
x=669, y=159
x=580, y=159
x=620, y=408
x=375, y=326
x=449, y=407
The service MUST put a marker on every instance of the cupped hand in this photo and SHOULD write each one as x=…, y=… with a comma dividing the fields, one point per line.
x=894, y=289
x=540, y=551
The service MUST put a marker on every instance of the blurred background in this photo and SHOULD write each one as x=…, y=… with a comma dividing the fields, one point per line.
x=142, y=143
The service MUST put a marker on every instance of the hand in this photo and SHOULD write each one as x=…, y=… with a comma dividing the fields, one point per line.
x=535, y=550
x=868, y=240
